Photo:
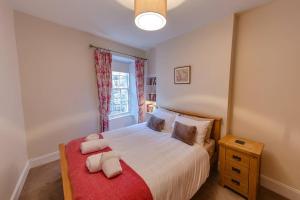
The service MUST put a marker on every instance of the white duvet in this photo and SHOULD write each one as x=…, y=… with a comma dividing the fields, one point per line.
x=172, y=169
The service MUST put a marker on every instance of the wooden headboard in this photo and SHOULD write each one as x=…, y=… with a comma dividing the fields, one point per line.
x=216, y=130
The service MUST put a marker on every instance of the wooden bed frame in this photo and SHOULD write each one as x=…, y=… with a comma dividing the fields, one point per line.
x=216, y=134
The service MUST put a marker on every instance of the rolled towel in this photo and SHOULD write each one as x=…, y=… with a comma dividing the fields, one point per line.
x=93, y=163
x=108, y=155
x=111, y=167
x=93, y=136
x=93, y=145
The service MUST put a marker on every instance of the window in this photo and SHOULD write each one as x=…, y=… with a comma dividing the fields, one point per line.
x=119, y=103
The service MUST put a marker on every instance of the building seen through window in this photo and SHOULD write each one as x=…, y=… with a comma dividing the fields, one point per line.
x=120, y=93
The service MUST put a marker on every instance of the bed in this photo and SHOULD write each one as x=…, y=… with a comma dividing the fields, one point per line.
x=155, y=157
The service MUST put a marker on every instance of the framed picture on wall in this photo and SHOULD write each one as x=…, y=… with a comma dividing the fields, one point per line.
x=182, y=75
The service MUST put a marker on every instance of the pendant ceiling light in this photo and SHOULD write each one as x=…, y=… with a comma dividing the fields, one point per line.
x=150, y=15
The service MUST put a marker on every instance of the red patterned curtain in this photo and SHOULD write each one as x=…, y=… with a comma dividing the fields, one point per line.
x=104, y=83
x=139, y=77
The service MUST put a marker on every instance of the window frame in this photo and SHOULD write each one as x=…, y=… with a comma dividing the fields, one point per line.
x=122, y=114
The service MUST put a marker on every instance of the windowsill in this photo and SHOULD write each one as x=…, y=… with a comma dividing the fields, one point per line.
x=120, y=116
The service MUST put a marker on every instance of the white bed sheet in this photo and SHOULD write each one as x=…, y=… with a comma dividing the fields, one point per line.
x=172, y=169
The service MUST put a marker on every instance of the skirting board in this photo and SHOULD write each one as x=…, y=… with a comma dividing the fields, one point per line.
x=35, y=162
x=22, y=178
x=280, y=188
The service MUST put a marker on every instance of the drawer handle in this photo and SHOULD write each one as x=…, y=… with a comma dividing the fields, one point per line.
x=236, y=170
x=237, y=158
x=235, y=182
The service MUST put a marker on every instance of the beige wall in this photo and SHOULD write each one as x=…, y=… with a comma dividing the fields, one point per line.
x=266, y=86
x=208, y=51
x=13, y=152
x=58, y=81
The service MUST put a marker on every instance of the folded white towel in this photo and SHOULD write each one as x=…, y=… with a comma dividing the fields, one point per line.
x=93, y=145
x=93, y=163
x=93, y=136
x=109, y=154
x=111, y=167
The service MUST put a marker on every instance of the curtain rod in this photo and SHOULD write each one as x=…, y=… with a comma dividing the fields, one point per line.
x=95, y=47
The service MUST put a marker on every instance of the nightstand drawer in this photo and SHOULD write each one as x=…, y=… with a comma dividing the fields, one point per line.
x=237, y=157
x=236, y=184
x=236, y=170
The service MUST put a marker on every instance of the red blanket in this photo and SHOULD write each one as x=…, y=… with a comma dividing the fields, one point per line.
x=85, y=186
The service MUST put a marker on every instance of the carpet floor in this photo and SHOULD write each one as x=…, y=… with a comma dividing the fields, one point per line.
x=45, y=183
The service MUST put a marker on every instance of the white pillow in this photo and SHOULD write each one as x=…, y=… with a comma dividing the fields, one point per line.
x=202, y=127
x=209, y=130
x=168, y=116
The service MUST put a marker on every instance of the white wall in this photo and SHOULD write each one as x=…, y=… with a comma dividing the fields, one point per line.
x=13, y=151
x=208, y=51
x=58, y=81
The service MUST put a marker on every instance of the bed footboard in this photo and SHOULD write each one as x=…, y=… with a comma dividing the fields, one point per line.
x=64, y=173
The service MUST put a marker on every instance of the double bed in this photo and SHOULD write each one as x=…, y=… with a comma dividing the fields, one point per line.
x=169, y=168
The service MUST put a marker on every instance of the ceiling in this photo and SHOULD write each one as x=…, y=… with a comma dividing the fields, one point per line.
x=114, y=19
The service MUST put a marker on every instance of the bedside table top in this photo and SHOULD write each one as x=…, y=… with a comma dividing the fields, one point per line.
x=249, y=146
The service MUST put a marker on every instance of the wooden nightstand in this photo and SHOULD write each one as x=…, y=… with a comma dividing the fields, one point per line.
x=240, y=165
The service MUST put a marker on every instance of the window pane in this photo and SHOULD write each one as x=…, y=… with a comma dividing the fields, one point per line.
x=115, y=81
x=124, y=108
x=120, y=93
x=116, y=96
x=124, y=100
x=124, y=81
x=124, y=95
x=115, y=101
